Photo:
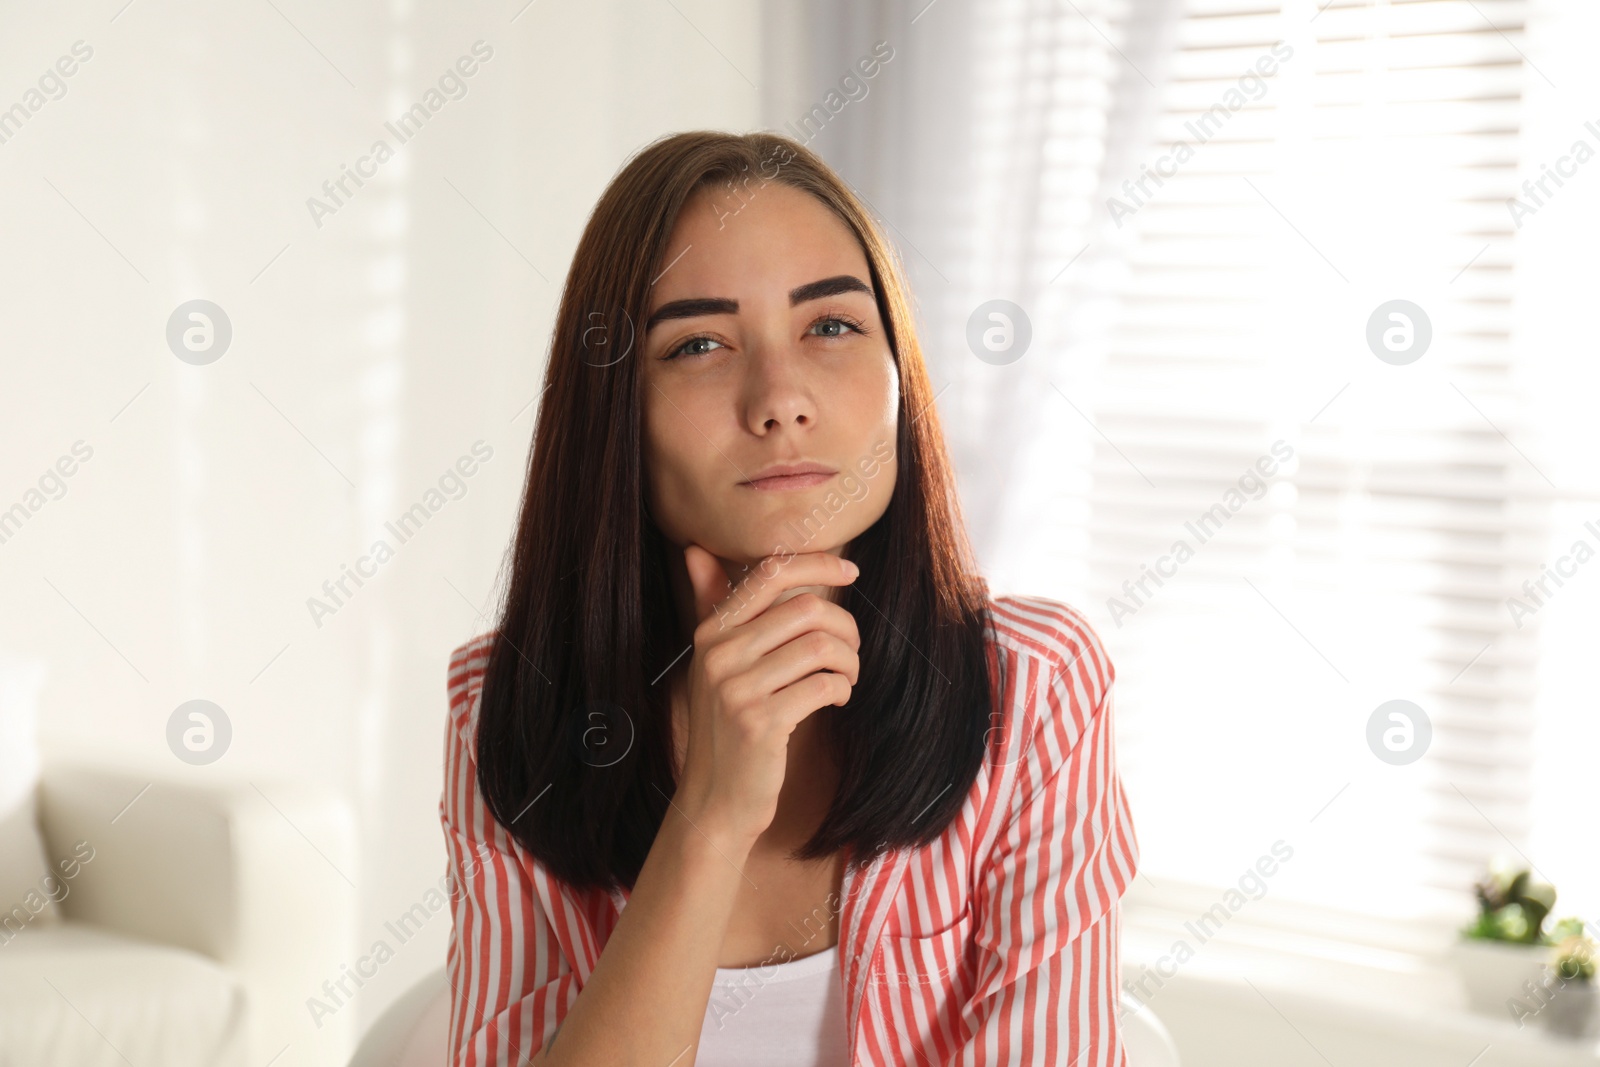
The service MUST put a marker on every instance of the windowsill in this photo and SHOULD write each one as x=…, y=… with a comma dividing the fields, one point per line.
x=1321, y=967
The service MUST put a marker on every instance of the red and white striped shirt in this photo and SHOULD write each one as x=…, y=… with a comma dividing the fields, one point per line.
x=997, y=943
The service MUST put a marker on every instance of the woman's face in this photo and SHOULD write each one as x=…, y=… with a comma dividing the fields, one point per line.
x=763, y=348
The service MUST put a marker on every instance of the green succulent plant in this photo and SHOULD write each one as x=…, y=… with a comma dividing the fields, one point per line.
x=1511, y=907
x=1575, y=950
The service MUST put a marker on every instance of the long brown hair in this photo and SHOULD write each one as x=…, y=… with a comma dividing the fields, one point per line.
x=574, y=744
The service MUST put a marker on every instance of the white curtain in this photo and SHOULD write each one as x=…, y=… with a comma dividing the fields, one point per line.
x=985, y=145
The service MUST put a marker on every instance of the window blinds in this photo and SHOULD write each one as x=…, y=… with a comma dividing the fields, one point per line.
x=1285, y=530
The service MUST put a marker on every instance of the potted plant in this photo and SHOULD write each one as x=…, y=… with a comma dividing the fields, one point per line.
x=1574, y=1010
x=1505, y=945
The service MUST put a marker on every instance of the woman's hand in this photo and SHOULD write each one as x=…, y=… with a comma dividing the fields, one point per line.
x=759, y=668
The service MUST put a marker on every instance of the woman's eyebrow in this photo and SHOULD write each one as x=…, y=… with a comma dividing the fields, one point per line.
x=839, y=283
x=716, y=305
x=691, y=308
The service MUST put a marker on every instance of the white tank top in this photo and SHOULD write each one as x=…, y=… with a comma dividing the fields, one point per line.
x=776, y=1015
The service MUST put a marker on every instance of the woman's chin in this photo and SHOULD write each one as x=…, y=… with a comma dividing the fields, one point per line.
x=781, y=543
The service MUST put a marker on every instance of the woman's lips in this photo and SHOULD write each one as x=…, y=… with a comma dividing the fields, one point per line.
x=788, y=481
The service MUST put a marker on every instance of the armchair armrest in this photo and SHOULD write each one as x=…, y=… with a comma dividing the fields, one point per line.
x=254, y=878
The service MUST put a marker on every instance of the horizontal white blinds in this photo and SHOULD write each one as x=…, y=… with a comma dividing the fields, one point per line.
x=1372, y=164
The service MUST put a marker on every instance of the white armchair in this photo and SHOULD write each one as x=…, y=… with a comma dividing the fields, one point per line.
x=1144, y=1038
x=195, y=934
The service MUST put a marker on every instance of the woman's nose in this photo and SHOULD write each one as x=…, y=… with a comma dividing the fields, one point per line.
x=778, y=391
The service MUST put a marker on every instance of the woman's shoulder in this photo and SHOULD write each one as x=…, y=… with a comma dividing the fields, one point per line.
x=465, y=681
x=1054, y=632
x=1064, y=670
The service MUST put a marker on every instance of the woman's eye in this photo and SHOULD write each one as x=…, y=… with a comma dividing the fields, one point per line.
x=833, y=327
x=694, y=346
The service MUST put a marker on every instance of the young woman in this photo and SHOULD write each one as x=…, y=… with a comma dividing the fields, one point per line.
x=752, y=769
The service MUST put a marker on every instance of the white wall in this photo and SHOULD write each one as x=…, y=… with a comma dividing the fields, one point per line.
x=371, y=353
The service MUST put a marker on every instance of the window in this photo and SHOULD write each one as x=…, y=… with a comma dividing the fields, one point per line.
x=1308, y=170
x=1202, y=206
